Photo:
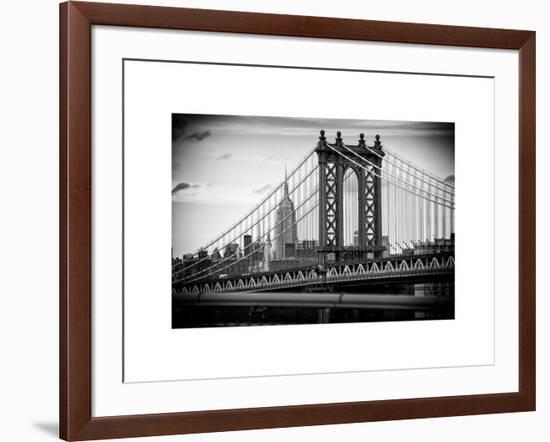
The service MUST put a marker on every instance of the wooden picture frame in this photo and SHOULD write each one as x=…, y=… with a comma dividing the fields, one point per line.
x=76, y=21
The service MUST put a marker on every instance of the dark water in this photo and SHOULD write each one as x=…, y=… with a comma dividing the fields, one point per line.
x=197, y=315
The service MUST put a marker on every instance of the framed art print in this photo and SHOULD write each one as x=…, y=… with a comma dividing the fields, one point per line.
x=273, y=220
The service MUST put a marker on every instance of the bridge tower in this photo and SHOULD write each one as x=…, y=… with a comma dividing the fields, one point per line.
x=334, y=160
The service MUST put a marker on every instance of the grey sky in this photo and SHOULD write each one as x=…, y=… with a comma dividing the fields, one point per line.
x=223, y=165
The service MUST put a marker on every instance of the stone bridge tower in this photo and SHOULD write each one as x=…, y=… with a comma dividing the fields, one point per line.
x=334, y=160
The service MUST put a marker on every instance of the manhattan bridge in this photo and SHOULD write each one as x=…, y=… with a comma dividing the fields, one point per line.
x=352, y=225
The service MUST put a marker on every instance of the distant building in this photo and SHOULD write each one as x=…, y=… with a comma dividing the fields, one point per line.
x=247, y=247
x=306, y=244
x=190, y=265
x=286, y=230
x=290, y=249
x=306, y=249
x=231, y=250
x=385, y=246
x=356, y=238
x=247, y=251
x=257, y=252
x=267, y=253
x=216, y=255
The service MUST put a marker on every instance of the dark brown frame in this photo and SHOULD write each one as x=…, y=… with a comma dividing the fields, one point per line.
x=76, y=421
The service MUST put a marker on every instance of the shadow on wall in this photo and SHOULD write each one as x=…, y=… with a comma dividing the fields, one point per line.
x=50, y=428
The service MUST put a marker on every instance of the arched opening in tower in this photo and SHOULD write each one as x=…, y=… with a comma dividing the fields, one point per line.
x=351, y=208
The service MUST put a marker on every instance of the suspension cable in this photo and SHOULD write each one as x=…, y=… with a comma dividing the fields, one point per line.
x=238, y=235
x=410, y=165
x=384, y=178
x=265, y=235
x=424, y=171
x=389, y=174
x=247, y=255
x=276, y=189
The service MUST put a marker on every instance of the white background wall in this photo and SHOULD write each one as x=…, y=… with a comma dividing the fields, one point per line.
x=29, y=217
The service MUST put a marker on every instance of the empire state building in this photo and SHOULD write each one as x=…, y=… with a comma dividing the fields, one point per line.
x=286, y=231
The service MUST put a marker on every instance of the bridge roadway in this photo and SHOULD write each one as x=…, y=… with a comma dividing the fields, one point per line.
x=307, y=286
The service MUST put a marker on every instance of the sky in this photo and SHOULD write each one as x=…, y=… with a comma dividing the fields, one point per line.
x=222, y=165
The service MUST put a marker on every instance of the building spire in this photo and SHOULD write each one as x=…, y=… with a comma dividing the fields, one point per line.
x=286, y=182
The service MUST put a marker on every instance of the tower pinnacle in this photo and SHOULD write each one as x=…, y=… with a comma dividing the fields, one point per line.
x=286, y=183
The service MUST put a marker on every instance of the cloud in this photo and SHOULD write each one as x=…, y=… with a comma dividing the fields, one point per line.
x=262, y=189
x=276, y=158
x=182, y=186
x=198, y=136
x=213, y=194
x=181, y=131
x=181, y=134
x=450, y=180
x=290, y=126
x=224, y=156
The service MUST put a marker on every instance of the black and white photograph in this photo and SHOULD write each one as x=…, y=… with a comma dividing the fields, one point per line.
x=279, y=220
